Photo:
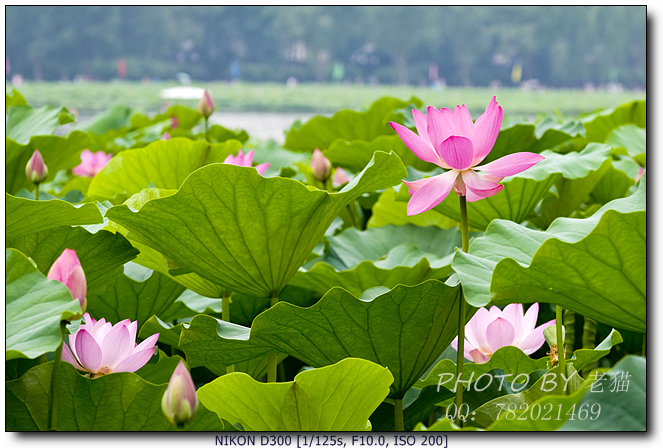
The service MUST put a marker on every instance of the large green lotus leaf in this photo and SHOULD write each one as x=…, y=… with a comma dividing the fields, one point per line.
x=522, y=192
x=101, y=254
x=598, y=126
x=614, y=184
x=319, y=132
x=163, y=163
x=186, y=118
x=23, y=122
x=14, y=98
x=25, y=216
x=115, y=118
x=340, y=397
x=137, y=295
x=59, y=153
x=510, y=359
x=116, y=402
x=256, y=367
x=595, y=266
x=34, y=308
x=413, y=412
x=168, y=334
x=242, y=231
x=382, y=256
x=404, y=329
x=389, y=210
x=632, y=139
x=355, y=154
x=617, y=401
x=269, y=151
x=585, y=356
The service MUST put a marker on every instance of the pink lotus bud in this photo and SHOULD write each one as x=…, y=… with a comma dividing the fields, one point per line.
x=165, y=136
x=340, y=177
x=205, y=105
x=36, y=170
x=174, y=122
x=100, y=348
x=68, y=270
x=641, y=171
x=320, y=165
x=179, y=402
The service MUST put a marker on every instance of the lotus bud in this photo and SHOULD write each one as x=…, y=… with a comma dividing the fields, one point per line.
x=174, y=122
x=340, y=177
x=550, y=334
x=320, y=165
x=165, y=136
x=68, y=270
x=36, y=170
x=205, y=105
x=641, y=171
x=179, y=402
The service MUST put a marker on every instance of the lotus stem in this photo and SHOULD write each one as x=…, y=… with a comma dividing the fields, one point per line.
x=465, y=231
x=207, y=128
x=36, y=191
x=399, y=424
x=561, y=353
x=588, y=341
x=225, y=315
x=55, y=380
x=570, y=329
x=271, y=357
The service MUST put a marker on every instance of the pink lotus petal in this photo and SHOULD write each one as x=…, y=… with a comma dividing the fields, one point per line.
x=116, y=346
x=457, y=152
x=262, y=168
x=478, y=357
x=475, y=330
x=69, y=357
x=133, y=328
x=485, y=134
x=641, y=171
x=513, y=312
x=477, y=195
x=421, y=124
x=340, y=177
x=530, y=318
x=535, y=340
x=147, y=344
x=88, y=351
x=134, y=361
x=440, y=126
x=248, y=159
x=511, y=164
x=499, y=333
x=416, y=144
x=431, y=193
x=467, y=348
x=476, y=183
x=415, y=185
x=463, y=124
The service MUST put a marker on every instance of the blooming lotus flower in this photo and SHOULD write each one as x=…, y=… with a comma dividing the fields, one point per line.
x=320, y=165
x=100, y=348
x=340, y=177
x=452, y=141
x=245, y=160
x=91, y=163
x=67, y=269
x=179, y=402
x=36, y=170
x=205, y=105
x=491, y=329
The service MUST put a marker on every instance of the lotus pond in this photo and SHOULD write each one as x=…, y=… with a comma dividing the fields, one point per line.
x=410, y=267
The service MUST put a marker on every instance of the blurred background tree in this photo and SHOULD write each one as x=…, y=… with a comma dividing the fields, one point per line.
x=558, y=46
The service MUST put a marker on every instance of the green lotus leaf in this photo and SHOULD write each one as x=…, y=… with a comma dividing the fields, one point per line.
x=24, y=122
x=164, y=163
x=632, y=140
x=25, y=216
x=389, y=210
x=14, y=98
x=383, y=256
x=115, y=402
x=598, y=126
x=34, y=308
x=585, y=356
x=595, y=266
x=617, y=401
x=420, y=321
x=340, y=397
x=413, y=412
x=242, y=231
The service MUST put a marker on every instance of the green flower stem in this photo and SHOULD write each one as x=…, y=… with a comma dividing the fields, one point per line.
x=207, y=128
x=644, y=344
x=55, y=380
x=271, y=357
x=399, y=424
x=561, y=355
x=36, y=191
x=465, y=231
x=225, y=315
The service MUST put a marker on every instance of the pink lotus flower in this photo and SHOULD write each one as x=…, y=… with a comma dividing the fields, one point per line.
x=491, y=329
x=245, y=160
x=179, y=402
x=36, y=170
x=205, y=105
x=452, y=141
x=91, y=163
x=100, y=348
x=67, y=269
x=340, y=177
x=320, y=165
